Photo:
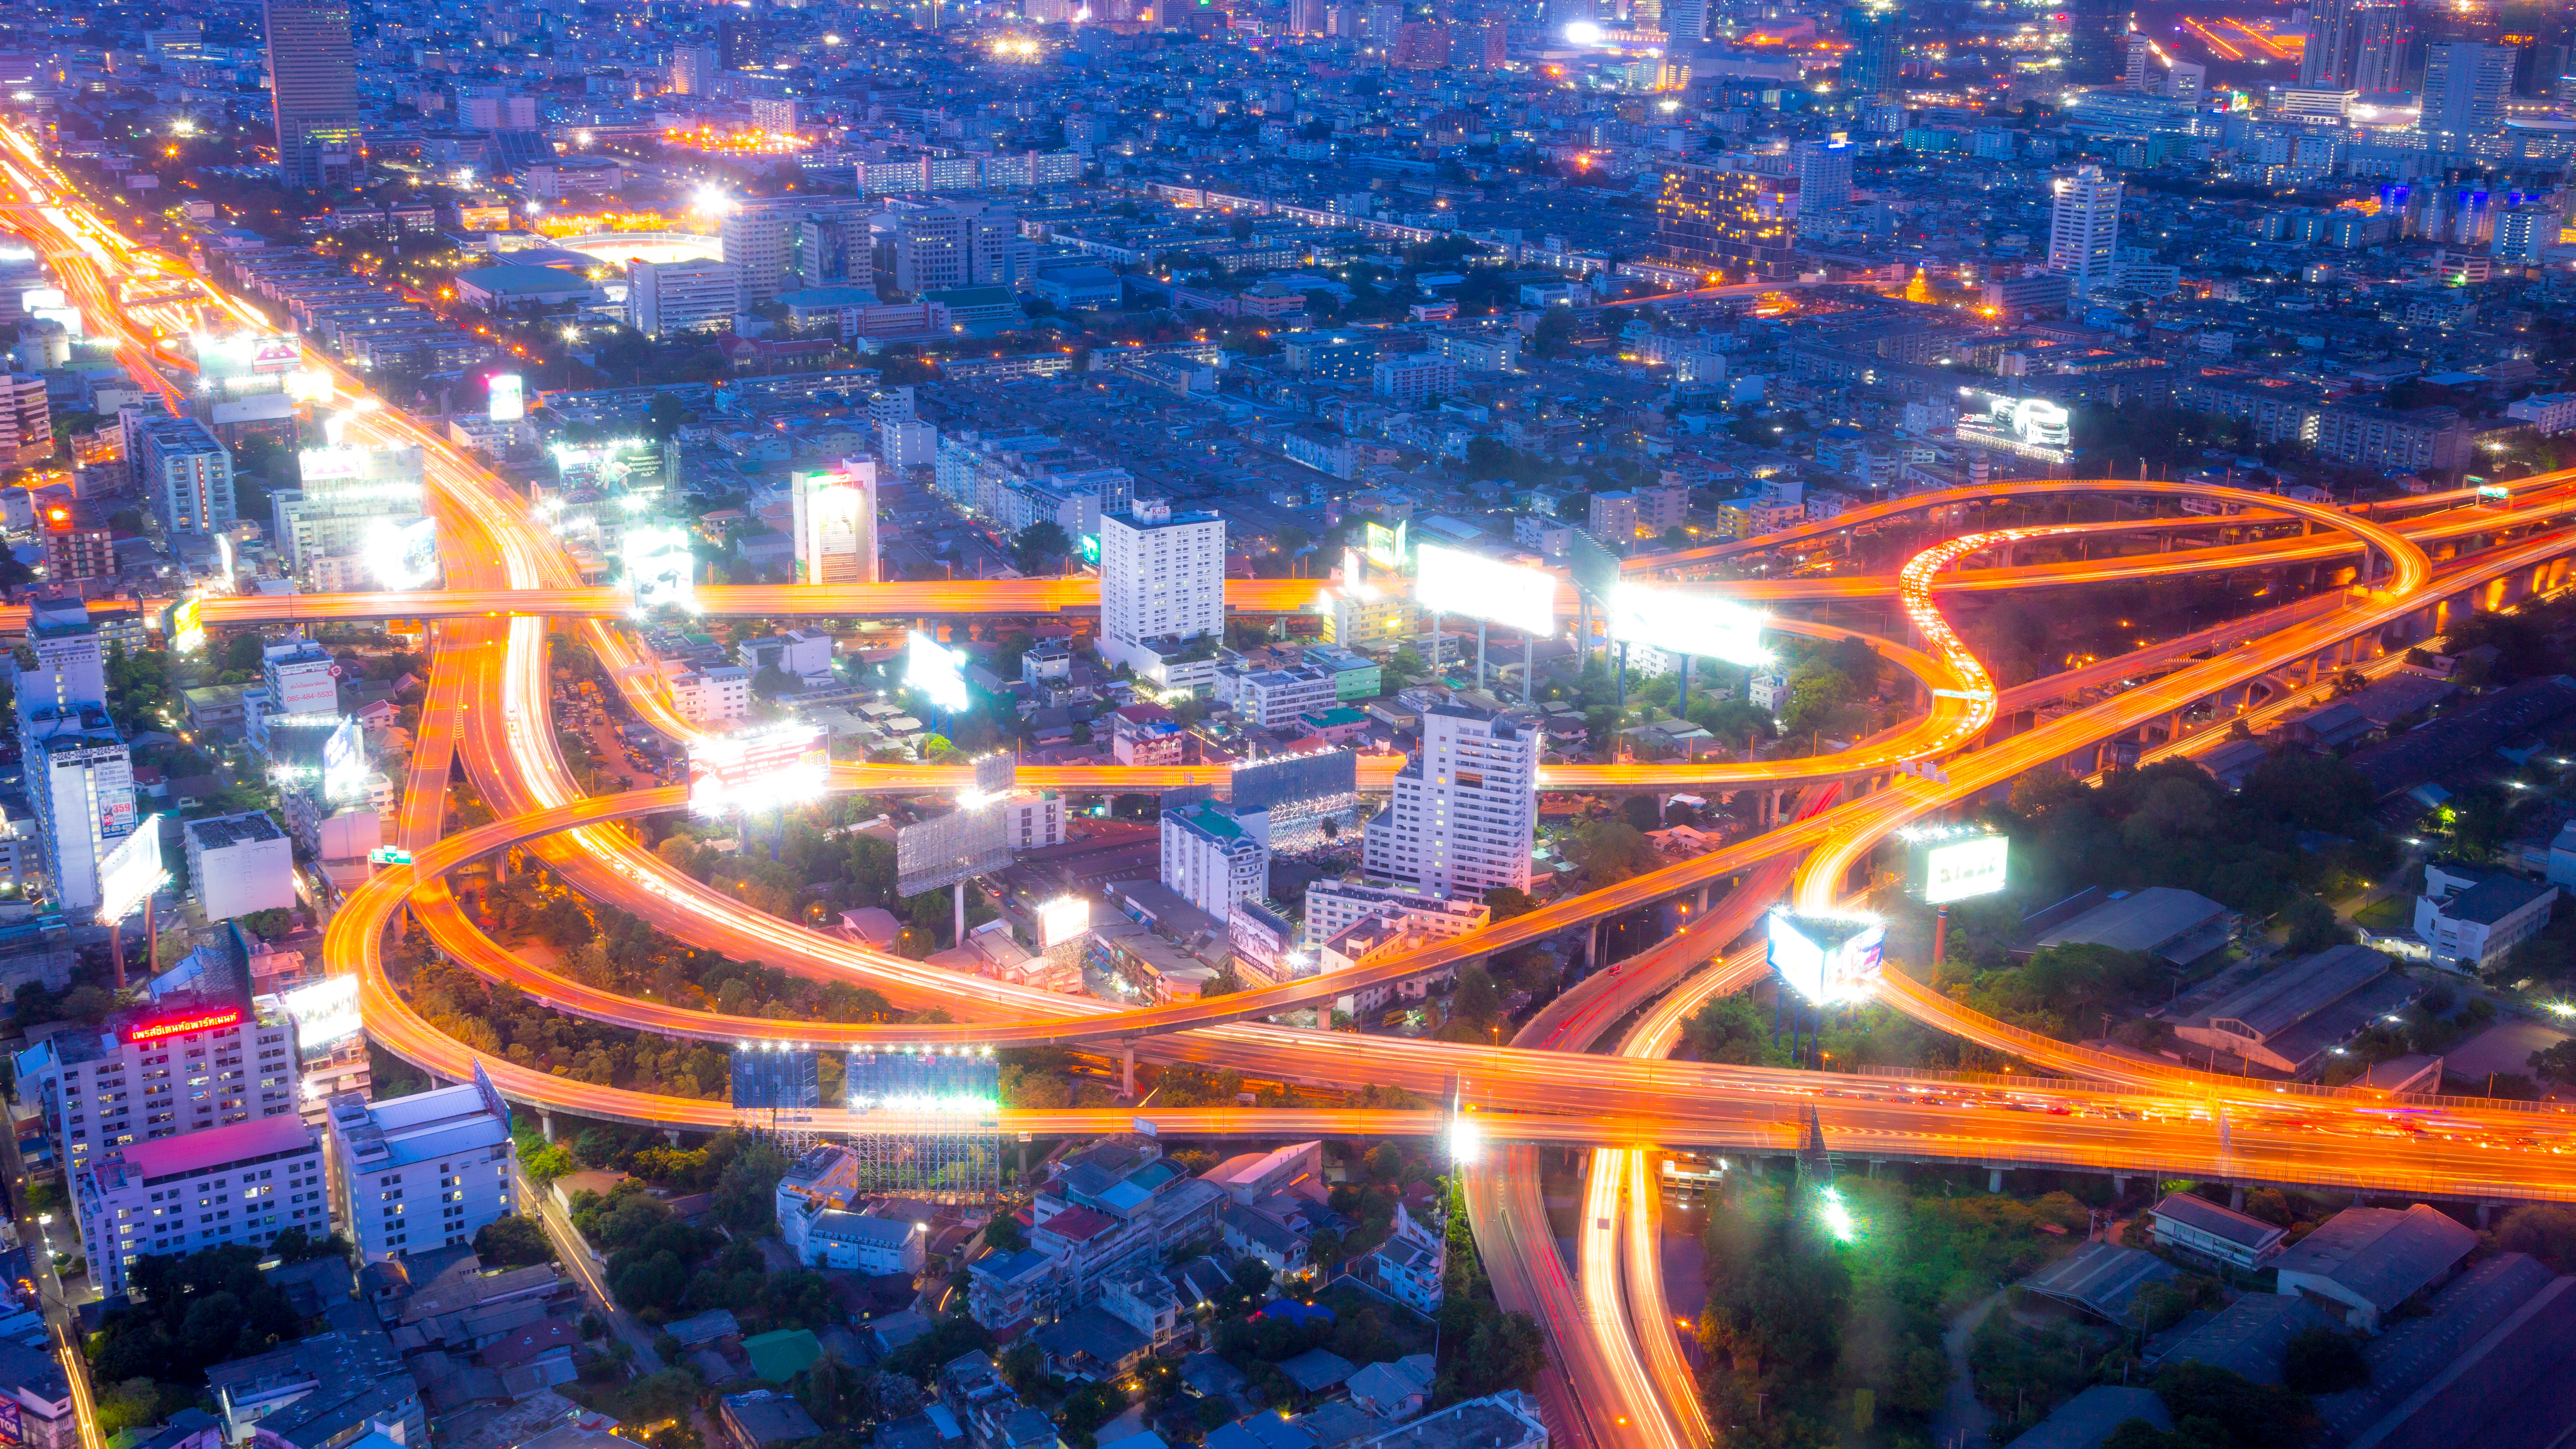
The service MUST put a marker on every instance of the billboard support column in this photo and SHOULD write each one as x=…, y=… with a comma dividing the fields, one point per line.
x=116, y=950
x=1940, y=937
x=151, y=935
x=1529, y=657
x=1435, y=645
x=961, y=915
x=1684, y=710
x=1480, y=653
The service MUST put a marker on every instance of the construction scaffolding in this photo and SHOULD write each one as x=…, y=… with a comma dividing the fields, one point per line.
x=926, y=1122
x=778, y=1088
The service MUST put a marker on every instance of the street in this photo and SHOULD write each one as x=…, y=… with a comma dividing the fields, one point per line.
x=575, y=1255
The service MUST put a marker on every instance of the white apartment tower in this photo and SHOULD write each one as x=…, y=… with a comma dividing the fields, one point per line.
x=1465, y=807
x=424, y=1171
x=79, y=772
x=836, y=524
x=1211, y=860
x=1162, y=579
x=2084, y=227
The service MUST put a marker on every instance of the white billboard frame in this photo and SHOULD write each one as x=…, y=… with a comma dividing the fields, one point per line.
x=1829, y=960
x=131, y=872
x=1691, y=625
x=1455, y=581
x=943, y=681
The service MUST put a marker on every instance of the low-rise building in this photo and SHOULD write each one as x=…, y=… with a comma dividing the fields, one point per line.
x=2289, y=1018
x=2465, y=916
x=239, y=864
x=2193, y=1224
x=2363, y=1262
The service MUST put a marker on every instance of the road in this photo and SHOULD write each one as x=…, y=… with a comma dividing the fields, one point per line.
x=574, y=1254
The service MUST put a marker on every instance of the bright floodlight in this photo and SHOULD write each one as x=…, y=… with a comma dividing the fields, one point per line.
x=1838, y=1218
x=938, y=671
x=1830, y=960
x=1466, y=1142
x=710, y=200
x=402, y=553
x=1687, y=624
x=1583, y=32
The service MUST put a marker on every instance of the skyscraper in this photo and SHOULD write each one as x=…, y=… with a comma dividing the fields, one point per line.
x=79, y=773
x=2084, y=227
x=2465, y=86
x=1733, y=223
x=315, y=73
x=738, y=42
x=2097, y=51
x=2381, y=35
x=1876, y=62
x=2326, y=62
x=1162, y=589
x=1824, y=184
x=1465, y=807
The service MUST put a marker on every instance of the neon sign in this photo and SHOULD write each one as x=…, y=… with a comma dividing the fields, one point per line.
x=182, y=1025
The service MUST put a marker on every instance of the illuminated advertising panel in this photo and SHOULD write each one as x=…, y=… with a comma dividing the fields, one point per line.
x=483, y=218
x=1454, y=581
x=325, y=1012
x=1687, y=624
x=660, y=569
x=1955, y=863
x=323, y=465
x=1062, y=919
x=129, y=872
x=508, y=397
x=184, y=1024
x=402, y=553
x=344, y=762
x=188, y=623
x=270, y=352
x=938, y=671
x=308, y=387
x=1383, y=545
x=758, y=769
x=1830, y=960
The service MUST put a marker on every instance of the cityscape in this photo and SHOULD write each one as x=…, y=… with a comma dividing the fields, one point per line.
x=1281, y=724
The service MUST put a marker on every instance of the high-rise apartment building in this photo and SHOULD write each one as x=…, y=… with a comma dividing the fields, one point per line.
x=831, y=250
x=693, y=70
x=1734, y=224
x=665, y=299
x=315, y=74
x=244, y=1184
x=186, y=473
x=1875, y=64
x=2083, y=227
x=1824, y=183
x=1211, y=859
x=26, y=419
x=2097, y=49
x=424, y=1171
x=1465, y=806
x=2382, y=35
x=835, y=513
x=79, y=773
x=1162, y=587
x=760, y=236
x=738, y=40
x=2465, y=89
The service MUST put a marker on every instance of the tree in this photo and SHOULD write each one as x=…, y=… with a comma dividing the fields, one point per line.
x=1508, y=901
x=1040, y=547
x=745, y=1197
x=1555, y=334
x=2243, y=1414
x=513, y=1242
x=2557, y=1063
x=2546, y=1231
x=2323, y=1360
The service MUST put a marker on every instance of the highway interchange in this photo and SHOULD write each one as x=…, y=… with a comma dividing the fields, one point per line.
x=1623, y=1379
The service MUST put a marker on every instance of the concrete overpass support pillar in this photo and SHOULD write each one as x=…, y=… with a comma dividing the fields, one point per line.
x=2486, y=1211
x=1994, y=1179
x=2236, y=1197
x=1127, y=1071
x=672, y=1136
x=546, y=1124
x=2119, y=1185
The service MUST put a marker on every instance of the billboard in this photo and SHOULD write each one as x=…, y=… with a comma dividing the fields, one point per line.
x=1454, y=581
x=344, y=762
x=187, y=623
x=186, y=1023
x=130, y=871
x=1062, y=919
x=1383, y=545
x=758, y=769
x=938, y=671
x=1830, y=960
x=660, y=569
x=774, y=1078
x=1595, y=569
x=996, y=773
x=945, y=849
x=1687, y=624
x=325, y=1012
x=271, y=352
x=402, y=553
x=963, y=1082
x=508, y=397
x=1954, y=863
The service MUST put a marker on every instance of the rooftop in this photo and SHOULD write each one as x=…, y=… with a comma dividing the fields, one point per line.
x=2380, y=1254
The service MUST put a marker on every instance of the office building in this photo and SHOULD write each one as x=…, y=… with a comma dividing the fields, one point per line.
x=239, y=864
x=907, y=443
x=738, y=41
x=1465, y=806
x=2084, y=228
x=761, y=233
x=1334, y=906
x=244, y=1184
x=198, y=1054
x=186, y=474
x=2096, y=41
x=1162, y=592
x=330, y=531
x=315, y=75
x=1875, y=64
x=2465, y=89
x=1733, y=224
x=1211, y=859
x=2382, y=35
x=665, y=299
x=835, y=517
x=301, y=677
x=424, y=1171
x=1415, y=378
x=831, y=250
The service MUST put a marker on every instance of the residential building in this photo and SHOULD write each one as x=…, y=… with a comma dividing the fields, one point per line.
x=666, y=299
x=1508, y=1420
x=709, y=694
x=1612, y=519
x=1162, y=592
x=78, y=542
x=186, y=474
x=245, y=1183
x=1414, y=378
x=1147, y=734
x=1824, y=183
x=2467, y=917
x=238, y=864
x=1272, y=698
x=1732, y=224
x=32, y=1379
x=312, y=69
x=26, y=420
x=79, y=775
x=2096, y=41
x=2084, y=227
x=1110, y=1211
x=1465, y=805
x=1334, y=906
x=1211, y=859
x=2553, y=412
x=2466, y=85
x=423, y=1171
x=1032, y=819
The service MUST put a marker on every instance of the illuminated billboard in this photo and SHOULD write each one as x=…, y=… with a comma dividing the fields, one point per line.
x=1062, y=919
x=1830, y=960
x=758, y=769
x=130, y=872
x=1954, y=863
x=1454, y=581
x=242, y=354
x=1687, y=624
x=968, y=841
x=344, y=762
x=326, y=1012
x=185, y=1024
x=1383, y=545
x=938, y=671
x=660, y=569
x=308, y=386
x=402, y=553
x=272, y=353
x=187, y=626
x=508, y=397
